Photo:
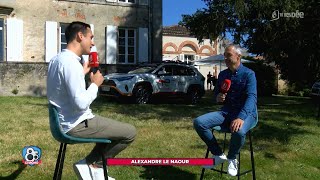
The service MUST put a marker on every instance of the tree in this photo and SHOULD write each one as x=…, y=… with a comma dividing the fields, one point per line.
x=292, y=43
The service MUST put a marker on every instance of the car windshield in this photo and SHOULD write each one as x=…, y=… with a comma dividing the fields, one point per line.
x=142, y=70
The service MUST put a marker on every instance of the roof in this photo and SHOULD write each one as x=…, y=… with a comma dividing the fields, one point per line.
x=5, y=10
x=176, y=30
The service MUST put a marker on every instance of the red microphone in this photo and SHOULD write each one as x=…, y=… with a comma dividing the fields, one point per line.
x=225, y=86
x=94, y=63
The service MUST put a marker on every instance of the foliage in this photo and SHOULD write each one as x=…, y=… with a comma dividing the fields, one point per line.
x=302, y=93
x=266, y=78
x=292, y=43
x=15, y=91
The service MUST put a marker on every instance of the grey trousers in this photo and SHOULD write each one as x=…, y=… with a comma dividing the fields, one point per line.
x=120, y=134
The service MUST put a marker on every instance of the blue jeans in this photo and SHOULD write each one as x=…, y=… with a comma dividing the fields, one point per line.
x=204, y=124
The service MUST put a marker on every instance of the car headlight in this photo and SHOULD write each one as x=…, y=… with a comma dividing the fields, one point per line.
x=124, y=78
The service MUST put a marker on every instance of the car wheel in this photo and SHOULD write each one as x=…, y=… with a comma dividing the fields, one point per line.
x=194, y=95
x=142, y=95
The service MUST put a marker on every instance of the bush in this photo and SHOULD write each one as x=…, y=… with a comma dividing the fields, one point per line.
x=15, y=91
x=266, y=78
x=294, y=91
x=306, y=92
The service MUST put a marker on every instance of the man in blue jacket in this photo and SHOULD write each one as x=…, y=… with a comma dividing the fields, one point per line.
x=239, y=111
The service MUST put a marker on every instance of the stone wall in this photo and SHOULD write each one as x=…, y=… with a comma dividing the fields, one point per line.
x=29, y=79
x=100, y=13
x=25, y=79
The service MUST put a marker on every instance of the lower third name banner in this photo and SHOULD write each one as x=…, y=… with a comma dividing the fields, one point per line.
x=160, y=162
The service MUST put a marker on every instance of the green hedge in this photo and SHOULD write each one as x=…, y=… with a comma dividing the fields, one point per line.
x=266, y=78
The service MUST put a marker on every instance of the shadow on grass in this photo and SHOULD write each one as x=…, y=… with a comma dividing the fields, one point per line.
x=169, y=111
x=280, y=118
x=45, y=105
x=266, y=132
x=156, y=99
x=166, y=172
x=16, y=173
x=281, y=134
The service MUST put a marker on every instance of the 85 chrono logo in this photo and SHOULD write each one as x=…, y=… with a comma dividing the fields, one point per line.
x=31, y=155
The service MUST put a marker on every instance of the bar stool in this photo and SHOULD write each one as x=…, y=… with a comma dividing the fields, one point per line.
x=221, y=171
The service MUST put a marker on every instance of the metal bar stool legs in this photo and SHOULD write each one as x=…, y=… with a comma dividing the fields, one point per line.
x=224, y=149
x=60, y=161
x=207, y=154
x=252, y=158
x=203, y=169
x=104, y=163
x=239, y=159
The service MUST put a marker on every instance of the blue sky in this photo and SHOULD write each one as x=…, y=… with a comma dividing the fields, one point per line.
x=173, y=9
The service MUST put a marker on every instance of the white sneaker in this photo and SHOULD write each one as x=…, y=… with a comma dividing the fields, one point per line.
x=82, y=170
x=98, y=174
x=217, y=161
x=233, y=167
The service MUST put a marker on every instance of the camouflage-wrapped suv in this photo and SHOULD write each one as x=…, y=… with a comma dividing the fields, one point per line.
x=168, y=79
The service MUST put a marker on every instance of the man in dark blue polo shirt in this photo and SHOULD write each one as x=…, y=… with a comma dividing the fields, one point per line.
x=239, y=111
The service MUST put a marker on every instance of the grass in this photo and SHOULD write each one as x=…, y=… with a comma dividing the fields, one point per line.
x=286, y=140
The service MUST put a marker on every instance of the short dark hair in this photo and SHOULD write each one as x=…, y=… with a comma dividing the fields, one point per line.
x=75, y=27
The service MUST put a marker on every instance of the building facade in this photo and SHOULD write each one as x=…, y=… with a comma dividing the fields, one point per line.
x=179, y=44
x=126, y=33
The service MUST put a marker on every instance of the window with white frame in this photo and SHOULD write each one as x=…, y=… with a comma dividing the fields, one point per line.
x=55, y=39
x=1, y=39
x=189, y=57
x=127, y=46
x=127, y=1
x=63, y=40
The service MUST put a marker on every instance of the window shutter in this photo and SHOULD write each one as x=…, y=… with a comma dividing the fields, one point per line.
x=143, y=2
x=51, y=45
x=1, y=39
x=59, y=37
x=92, y=28
x=86, y=57
x=14, y=39
x=181, y=57
x=112, y=39
x=143, y=45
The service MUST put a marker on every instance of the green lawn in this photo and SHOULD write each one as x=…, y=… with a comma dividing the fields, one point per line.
x=286, y=140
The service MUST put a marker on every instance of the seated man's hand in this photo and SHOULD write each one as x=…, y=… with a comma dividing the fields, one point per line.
x=221, y=97
x=236, y=125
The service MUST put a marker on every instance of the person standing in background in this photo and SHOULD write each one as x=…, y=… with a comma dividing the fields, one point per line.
x=209, y=80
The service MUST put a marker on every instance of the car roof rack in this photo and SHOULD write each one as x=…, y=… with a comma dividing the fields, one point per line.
x=177, y=62
x=143, y=64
